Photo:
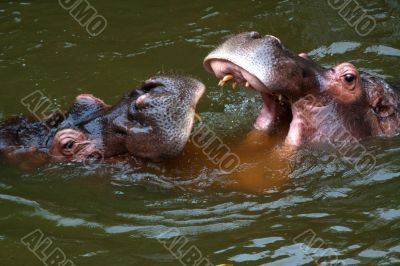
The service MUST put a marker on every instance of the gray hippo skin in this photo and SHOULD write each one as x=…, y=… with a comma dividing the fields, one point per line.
x=153, y=122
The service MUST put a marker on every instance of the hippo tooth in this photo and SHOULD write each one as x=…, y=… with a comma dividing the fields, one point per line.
x=281, y=102
x=224, y=80
x=234, y=85
x=247, y=84
x=227, y=78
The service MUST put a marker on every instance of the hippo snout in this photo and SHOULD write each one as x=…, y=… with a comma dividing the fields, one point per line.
x=162, y=115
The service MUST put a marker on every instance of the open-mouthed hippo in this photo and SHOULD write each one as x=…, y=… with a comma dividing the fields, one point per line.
x=152, y=122
x=338, y=104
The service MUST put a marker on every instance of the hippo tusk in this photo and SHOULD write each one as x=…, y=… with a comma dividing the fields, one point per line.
x=198, y=117
x=282, y=99
x=225, y=80
x=234, y=85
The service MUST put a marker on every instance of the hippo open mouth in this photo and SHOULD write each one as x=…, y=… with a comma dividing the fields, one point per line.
x=338, y=104
x=276, y=106
x=253, y=61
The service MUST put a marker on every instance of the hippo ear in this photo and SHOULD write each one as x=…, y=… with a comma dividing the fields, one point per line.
x=85, y=106
x=382, y=97
x=384, y=108
x=383, y=103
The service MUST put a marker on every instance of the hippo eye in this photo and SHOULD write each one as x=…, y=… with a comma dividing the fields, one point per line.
x=349, y=78
x=69, y=145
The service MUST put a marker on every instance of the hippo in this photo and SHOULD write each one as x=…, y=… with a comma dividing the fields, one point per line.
x=152, y=122
x=337, y=105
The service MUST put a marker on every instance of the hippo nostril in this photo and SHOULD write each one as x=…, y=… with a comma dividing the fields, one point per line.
x=142, y=101
x=255, y=35
x=149, y=85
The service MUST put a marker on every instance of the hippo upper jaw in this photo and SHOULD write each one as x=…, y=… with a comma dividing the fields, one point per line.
x=263, y=62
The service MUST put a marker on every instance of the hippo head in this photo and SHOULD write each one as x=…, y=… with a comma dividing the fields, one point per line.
x=152, y=122
x=336, y=104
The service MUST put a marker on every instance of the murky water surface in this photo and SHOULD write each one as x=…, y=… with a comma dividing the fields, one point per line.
x=325, y=212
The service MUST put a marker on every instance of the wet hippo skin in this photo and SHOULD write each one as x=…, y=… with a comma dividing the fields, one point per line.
x=153, y=122
x=337, y=104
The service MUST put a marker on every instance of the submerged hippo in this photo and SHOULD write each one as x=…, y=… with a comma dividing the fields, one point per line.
x=152, y=122
x=338, y=104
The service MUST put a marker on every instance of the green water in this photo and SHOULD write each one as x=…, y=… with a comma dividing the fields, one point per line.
x=115, y=215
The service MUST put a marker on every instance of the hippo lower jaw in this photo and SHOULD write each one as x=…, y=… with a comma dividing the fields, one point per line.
x=277, y=111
